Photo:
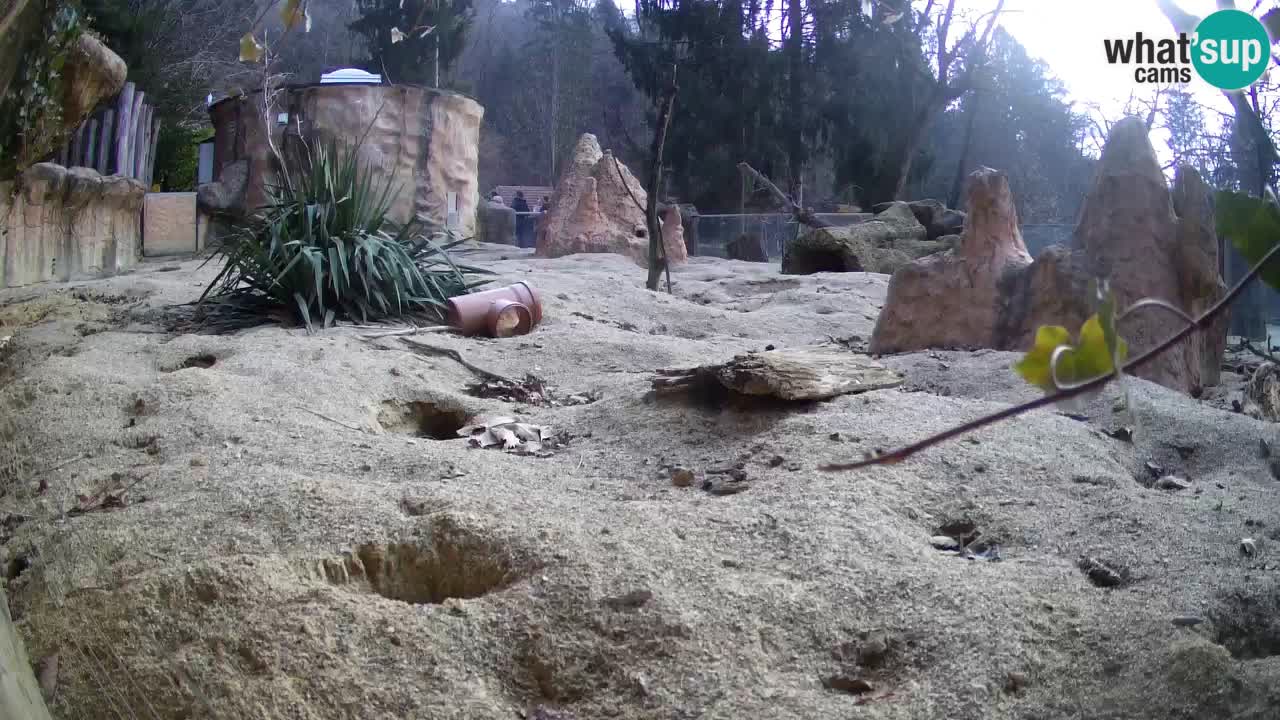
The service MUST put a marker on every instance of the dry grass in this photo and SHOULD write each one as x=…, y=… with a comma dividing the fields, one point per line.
x=15, y=451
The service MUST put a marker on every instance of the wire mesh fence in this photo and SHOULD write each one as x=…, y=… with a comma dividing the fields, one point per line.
x=1254, y=315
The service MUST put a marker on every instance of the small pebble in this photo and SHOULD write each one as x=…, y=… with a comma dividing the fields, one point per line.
x=1016, y=681
x=1249, y=547
x=776, y=460
x=1187, y=620
x=681, y=477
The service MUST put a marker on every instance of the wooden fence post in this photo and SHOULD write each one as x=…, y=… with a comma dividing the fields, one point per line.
x=91, y=143
x=104, y=142
x=122, y=129
x=139, y=138
x=135, y=115
x=151, y=154
x=77, y=147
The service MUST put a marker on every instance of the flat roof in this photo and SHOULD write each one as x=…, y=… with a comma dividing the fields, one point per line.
x=304, y=86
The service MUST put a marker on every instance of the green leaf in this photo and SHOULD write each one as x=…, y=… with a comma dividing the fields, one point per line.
x=1088, y=358
x=1034, y=366
x=1253, y=226
x=251, y=51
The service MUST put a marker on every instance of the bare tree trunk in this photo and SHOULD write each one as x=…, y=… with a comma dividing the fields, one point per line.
x=957, y=183
x=911, y=145
x=657, y=244
x=555, y=108
x=795, y=61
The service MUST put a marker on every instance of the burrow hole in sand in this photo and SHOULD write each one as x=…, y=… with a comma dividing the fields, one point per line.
x=203, y=361
x=422, y=418
x=451, y=563
x=1248, y=622
x=808, y=261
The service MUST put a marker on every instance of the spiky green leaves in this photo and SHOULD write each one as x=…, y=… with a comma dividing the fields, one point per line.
x=323, y=248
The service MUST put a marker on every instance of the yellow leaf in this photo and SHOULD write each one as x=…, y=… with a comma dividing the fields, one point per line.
x=1034, y=366
x=1092, y=357
x=251, y=51
x=1087, y=359
x=292, y=13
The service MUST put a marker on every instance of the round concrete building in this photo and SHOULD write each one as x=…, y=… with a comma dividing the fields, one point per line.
x=426, y=140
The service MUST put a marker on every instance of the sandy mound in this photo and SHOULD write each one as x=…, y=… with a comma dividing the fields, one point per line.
x=295, y=542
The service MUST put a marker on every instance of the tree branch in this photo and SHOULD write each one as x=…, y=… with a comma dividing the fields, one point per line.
x=802, y=216
x=1096, y=384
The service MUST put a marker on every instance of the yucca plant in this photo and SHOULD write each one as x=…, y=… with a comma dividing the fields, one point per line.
x=323, y=248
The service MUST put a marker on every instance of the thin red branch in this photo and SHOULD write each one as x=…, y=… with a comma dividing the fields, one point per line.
x=1096, y=384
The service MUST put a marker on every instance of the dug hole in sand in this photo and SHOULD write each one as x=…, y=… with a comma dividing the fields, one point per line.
x=270, y=524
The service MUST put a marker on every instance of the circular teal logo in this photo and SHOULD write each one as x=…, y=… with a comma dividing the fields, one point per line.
x=1232, y=49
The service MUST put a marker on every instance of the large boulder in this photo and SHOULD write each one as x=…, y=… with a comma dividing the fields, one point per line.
x=890, y=240
x=938, y=220
x=90, y=73
x=1147, y=241
x=93, y=73
x=598, y=207
x=227, y=195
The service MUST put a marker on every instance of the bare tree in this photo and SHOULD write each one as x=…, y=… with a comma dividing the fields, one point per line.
x=955, y=68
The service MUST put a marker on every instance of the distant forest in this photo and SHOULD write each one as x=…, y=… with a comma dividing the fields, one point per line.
x=838, y=101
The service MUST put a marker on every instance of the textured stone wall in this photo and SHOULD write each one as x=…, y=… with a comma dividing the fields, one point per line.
x=60, y=224
x=425, y=140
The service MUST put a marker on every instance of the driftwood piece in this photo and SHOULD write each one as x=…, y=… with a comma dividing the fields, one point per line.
x=794, y=374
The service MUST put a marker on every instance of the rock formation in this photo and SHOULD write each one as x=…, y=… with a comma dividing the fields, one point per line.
x=951, y=299
x=1149, y=242
x=497, y=223
x=881, y=243
x=91, y=73
x=67, y=224
x=424, y=141
x=597, y=208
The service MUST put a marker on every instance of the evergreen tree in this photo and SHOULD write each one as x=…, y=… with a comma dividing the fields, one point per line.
x=412, y=41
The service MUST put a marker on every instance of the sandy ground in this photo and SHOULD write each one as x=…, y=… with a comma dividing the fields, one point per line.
x=291, y=544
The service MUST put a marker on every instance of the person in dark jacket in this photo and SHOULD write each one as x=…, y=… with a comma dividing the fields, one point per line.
x=524, y=223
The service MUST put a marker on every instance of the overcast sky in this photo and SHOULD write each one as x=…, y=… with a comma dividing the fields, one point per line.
x=1068, y=36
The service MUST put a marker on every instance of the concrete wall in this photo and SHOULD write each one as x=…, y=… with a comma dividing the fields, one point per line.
x=60, y=224
x=19, y=693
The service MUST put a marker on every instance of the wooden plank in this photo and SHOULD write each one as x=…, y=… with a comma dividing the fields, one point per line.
x=105, y=142
x=91, y=144
x=135, y=115
x=792, y=374
x=122, y=129
x=151, y=154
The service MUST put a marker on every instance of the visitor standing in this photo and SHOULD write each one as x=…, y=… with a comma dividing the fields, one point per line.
x=523, y=224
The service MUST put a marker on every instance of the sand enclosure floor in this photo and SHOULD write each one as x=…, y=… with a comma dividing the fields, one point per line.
x=281, y=525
